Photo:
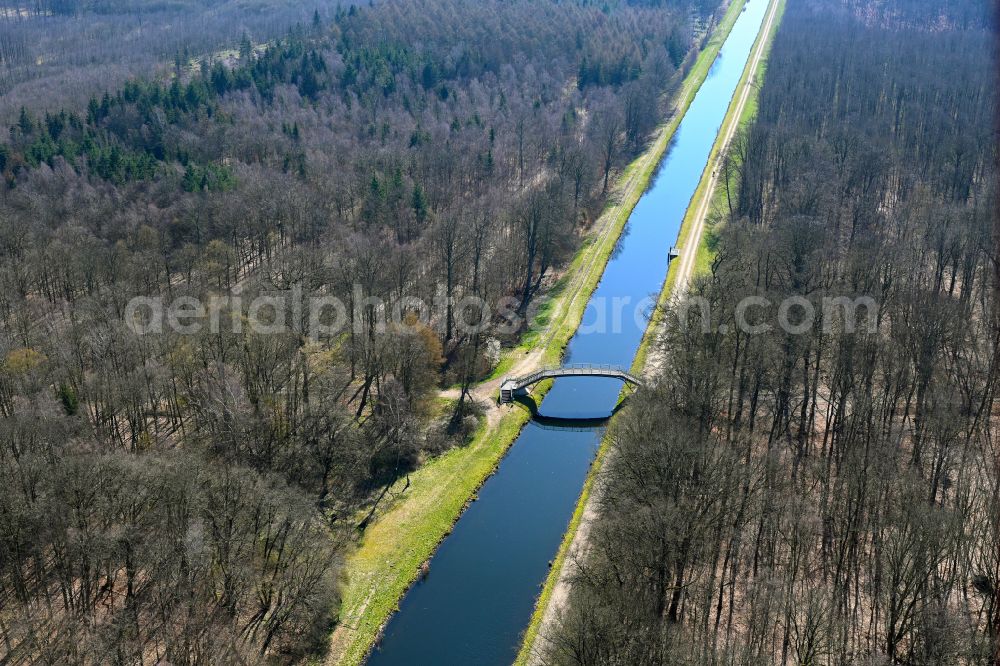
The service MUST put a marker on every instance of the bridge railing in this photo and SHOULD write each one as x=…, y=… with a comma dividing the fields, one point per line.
x=584, y=368
x=581, y=366
x=512, y=384
x=589, y=366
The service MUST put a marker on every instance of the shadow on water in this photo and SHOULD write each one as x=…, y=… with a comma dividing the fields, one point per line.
x=474, y=607
x=527, y=401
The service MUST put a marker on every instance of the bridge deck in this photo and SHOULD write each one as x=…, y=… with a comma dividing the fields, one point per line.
x=512, y=384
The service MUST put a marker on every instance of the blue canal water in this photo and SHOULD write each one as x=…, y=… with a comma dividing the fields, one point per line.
x=483, y=581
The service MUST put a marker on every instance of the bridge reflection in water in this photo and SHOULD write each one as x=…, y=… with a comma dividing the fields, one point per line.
x=575, y=424
x=485, y=576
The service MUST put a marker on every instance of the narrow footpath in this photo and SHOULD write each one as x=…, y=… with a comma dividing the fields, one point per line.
x=686, y=262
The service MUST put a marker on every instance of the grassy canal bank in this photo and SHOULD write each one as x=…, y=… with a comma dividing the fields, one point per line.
x=408, y=528
x=708, y=196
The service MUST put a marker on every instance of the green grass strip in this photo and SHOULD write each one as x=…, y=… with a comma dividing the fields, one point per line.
x=705, y=252
x=408, y=529
x=531, y=633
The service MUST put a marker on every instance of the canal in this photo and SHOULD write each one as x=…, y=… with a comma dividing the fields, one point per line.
x=484, y=578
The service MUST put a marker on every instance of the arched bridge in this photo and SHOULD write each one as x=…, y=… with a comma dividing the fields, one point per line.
x=512, y=385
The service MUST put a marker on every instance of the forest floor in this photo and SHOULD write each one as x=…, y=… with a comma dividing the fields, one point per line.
x=557, y=587
x=414, y=519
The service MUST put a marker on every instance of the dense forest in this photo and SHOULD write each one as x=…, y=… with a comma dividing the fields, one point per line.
x=824, y=495
x=55, y=53
x=185, y=496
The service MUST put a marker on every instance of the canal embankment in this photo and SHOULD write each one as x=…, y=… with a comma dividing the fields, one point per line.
x=484, y=578
x=695, y=257
x=410, y=526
